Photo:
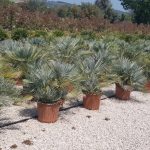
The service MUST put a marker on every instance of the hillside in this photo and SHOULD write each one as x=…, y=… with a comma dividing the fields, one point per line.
x=57, y=4
x=61, y=3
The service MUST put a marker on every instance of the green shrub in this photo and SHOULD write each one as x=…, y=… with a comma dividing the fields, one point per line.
x=40, y=33
x=58, y=33
x=129, y=38
x=7, y=89
x=88, y=35
x=19, y=34
x=128, y=73
x=3, y=35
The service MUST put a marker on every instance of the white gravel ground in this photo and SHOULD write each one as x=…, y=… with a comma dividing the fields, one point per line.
x=118, y=125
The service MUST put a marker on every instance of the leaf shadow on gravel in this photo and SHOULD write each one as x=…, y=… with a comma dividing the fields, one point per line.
x=109, y=93
x=28, y=112
x=72, y=102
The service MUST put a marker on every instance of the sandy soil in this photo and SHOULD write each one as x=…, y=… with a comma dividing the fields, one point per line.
x=118, y=125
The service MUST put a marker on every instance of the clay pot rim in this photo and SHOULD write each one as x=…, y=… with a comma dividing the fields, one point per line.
x=90, y=94
x=128, y=90
x=50, y=104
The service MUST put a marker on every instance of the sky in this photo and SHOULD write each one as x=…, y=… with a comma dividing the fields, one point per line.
x=116, y=3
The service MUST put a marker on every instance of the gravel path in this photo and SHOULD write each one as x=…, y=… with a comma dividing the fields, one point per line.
x=118, y=125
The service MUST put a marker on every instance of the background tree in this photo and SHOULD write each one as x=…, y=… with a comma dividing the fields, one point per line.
x=140, y=9
x=106, y=7
x=89, y=10
x=34, y=5
x=4, y=3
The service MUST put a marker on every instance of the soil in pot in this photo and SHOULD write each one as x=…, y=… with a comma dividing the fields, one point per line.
x=147, y=86
x=91, y=102
x=48, y=113
x=122, y=93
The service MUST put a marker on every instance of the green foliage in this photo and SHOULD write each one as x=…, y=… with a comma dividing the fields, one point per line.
x=58, y=33
x=19, y=34
x=127, y=50
x=50, y=67
x=85, y=10
x=19, y=55
x=40, y=33
x=5, y=3
x=129, y=37
x=3, y=35
x=141, y=10
x=88, y=35
x=91, y=69
x=67, y=49
x=7, y=89
x=48, y=82
x=128, y=73
x=106, y=7
x=37, y=41
x=89, y=11
x=35, y=5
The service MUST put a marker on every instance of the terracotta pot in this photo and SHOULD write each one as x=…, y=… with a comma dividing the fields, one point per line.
x=121, y=93
x=48, y=113
x=147, y=86
x=91, y=102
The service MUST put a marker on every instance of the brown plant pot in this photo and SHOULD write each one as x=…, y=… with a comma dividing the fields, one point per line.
x=91, y=102
x=147, y=86
x=48, y=113
x=121, y=93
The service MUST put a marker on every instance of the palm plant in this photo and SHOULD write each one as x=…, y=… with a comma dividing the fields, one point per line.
x=91, y=69
x=144, y=59
x=127, y=50
x=67, y=49
x=47, y=82
x=128, y=73
x=38, y=41
x=19, y=55
x=7, y=89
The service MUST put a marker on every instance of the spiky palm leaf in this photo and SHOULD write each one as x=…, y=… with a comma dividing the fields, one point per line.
x=7, y=89
x=127, y=50
x=128, y=73
x=91, y=69
x=19, y=55
x=47, y=81
x=67, y=49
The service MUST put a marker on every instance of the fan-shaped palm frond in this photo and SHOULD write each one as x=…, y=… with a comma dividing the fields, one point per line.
x=7, y=89
x=92, y=68
x=127, y=50
x=129, y=73
x=38, y=41
x=19, y=54
x=68, y=49
x=47, y=81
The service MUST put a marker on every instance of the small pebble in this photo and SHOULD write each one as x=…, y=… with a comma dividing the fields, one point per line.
x=88, y=116
x=73, y=128
x=14, y=146
x=107, y=119
x=43, y=130
x=27, y=142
